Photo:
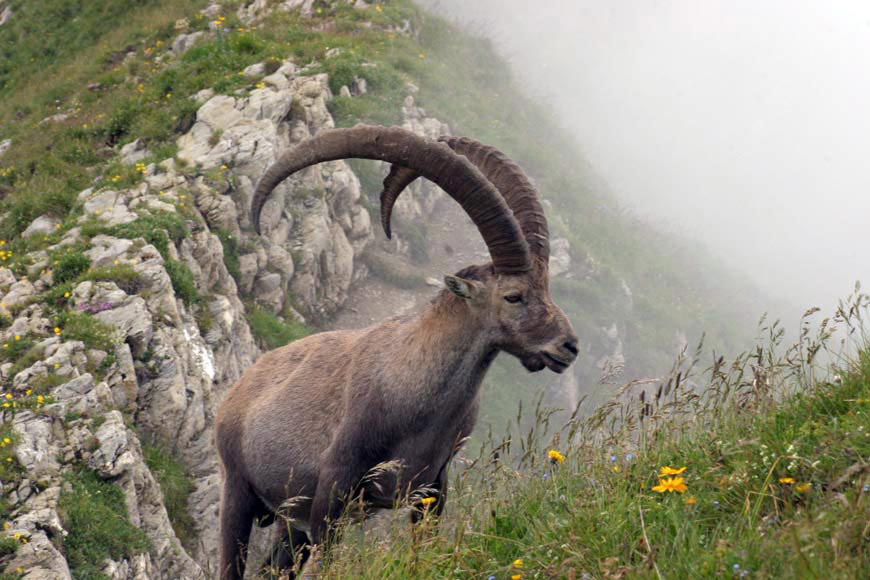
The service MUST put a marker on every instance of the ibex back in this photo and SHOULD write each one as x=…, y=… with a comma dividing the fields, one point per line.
x=309, y=420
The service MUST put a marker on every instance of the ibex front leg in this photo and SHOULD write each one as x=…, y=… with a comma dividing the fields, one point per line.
x=343, y=466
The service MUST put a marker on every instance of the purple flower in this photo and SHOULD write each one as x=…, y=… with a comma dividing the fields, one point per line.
x=612, y=458
x=629, y=456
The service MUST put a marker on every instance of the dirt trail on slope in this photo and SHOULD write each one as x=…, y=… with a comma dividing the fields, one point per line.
x=453, y=243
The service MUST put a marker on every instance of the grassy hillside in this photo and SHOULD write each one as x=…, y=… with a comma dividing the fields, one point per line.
x=770, y=479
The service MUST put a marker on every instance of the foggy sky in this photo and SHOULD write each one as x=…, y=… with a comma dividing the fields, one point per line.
x=742, y=124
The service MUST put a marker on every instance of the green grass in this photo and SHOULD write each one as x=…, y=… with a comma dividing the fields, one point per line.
x=271, y=331
x=70, y=266
x=84, y=327
x=176, y=485
x=183, y=282
x=775, y=449
x=94, y=514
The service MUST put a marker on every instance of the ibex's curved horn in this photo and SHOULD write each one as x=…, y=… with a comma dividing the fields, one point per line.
x=434, y=161
x=513, y=184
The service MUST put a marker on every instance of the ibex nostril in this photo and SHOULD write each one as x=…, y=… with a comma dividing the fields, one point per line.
x=571, y=346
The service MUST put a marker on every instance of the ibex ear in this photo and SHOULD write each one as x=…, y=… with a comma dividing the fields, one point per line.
x=463, y=288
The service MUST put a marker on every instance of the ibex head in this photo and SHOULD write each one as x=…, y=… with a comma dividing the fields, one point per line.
x=510, y=297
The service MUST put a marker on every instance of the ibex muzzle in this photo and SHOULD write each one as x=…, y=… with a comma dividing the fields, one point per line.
x=308, y=421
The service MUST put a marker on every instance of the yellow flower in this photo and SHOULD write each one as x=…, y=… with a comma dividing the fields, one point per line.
x=555, y=456
x=57, y=330
x=670, y=485
x=8, y=460
x=6, y=525
x=378, y=8
x=66, y=294
x=671, y=471
x=16, y=535
x=427, y=501
x=421, y=56
x=518, y=563
x=28, y=392
x=8, y=396
x=5, y=405
x=786, y=480
x=117, y=262
x=691, y=501
x=516, y=577
x=7, y=440
x=40, y=399
x=17, y=337
x=804, y=487
x=615, y=469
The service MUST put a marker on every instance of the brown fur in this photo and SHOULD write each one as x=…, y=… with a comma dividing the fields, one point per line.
x=310, y=419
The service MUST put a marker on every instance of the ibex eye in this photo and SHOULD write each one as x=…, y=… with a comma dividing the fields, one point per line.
x=514, y=298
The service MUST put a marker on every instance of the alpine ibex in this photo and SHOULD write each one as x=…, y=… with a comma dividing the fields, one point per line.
x=309, y=420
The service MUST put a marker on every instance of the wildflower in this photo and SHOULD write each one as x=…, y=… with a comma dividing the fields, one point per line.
x=516, y=577
x=421, y=56
x=17, y=337
x=223, y=168
x=66, y=294
x=7, y=440
x=615, y=469
x=117, y=262
x=804, y=487
x=8, y=460
x=427, y=501
x=786, y=480
x=691, y=501
x=518, y=563
x=670, y=485
x=28, y=392
x=57, y=330
x=8, y=396
x=260, y=85
x=867, y=487
x=40, y=399
x=715, y=502
x=5, y=405
x=6, y=525
x=555, y=456
x=671, y=471
x=629, y=456
x=612, y=458
x=16, y=535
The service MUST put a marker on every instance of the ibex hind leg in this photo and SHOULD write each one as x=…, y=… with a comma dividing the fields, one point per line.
x=239, y=507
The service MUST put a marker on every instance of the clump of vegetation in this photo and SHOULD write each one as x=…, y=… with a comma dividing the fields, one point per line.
x=231, y=253
x=123, y=275
x=94, y=513
x=70, y=266
x=270, y=330
x=751, y=468
x=176, y=486
x=183, y=282
x=84, y=327
x=15, y=348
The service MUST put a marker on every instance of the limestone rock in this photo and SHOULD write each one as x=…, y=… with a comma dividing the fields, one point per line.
x=41, y=226
x=184, y=42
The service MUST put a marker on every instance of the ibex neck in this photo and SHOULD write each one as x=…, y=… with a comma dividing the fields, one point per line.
x=450, y=347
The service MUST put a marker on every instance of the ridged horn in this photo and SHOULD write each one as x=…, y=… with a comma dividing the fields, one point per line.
x=513, y=184
x=435, y=161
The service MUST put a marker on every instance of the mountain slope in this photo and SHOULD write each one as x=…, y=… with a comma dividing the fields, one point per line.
x=134, y=292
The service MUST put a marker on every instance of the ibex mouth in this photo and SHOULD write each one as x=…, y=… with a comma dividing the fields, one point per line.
x=556, y=365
